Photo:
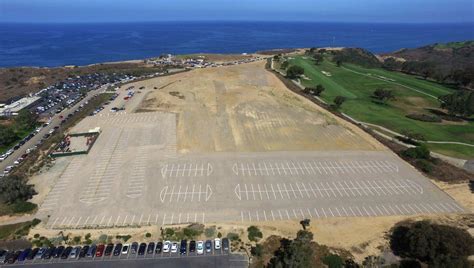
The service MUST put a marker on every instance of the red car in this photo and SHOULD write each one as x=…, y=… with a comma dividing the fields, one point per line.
x=100, y=250
x=126, y=98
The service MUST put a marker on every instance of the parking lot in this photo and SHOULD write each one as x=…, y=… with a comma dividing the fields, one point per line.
x=134, y=167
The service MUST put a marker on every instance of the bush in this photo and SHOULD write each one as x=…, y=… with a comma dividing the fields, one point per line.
x=148, y=235
x=103, y=238
x=294, y=71
x=333, y=261
x=76, y=239
x=254, y=234
x=219, y=234
x=424, y=118
x=191, y=232
x=437, y=245
x=233, y=236
x=36, y=236
x=15, y=189
x=210, y=232
x=257, y=250
x=169, y=232
x=419, y=152
x=23, y=207
x=424, y=165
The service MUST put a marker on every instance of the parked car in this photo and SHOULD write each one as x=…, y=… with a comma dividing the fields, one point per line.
x=100, y=250
x=117, y=249
x=23, y=254
x=125, y=249
x=12, y=257
x=58, y=251
x=183, y=247
x=174, y=247
x=3, y=255
x=74, y=253
x=159, y=247
x=151, y=248
x=200, y=247
x=141, y=249
x=217, y=244
x=48, y=253
x=32, y=253
x=66, y=253
x=109, y=249
x=134, y=248
x=208, y=246
x=225, y=244
x=83, y=252
x=91, y=251
x=192, y=246
x=167, y=246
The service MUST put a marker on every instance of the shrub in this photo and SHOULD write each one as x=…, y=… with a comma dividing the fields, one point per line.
x=219, y=234
x=76, y=239
x=333, y=261
x=210, y=232
x=257, y=250
x=148, y=235
x=254, y=234
x=191, y=232
x=294, y=71
x=36, y=236
x=424, y=117
x=103, y=238
x=232, y=236
x=424, y=165
x=169, y=232
x=419, y=152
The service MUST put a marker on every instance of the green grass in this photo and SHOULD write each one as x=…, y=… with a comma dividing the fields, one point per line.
x=412, y=95
x=16, y=230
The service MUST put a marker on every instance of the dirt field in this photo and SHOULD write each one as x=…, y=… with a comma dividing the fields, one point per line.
x=245, y=108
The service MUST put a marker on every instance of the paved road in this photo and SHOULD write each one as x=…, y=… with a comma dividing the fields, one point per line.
x=176, y=261
x=55, y=121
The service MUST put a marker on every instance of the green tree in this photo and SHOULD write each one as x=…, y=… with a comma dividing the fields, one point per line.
x=254, y=234
x=296, y=253
x=434, y=244
x=294, y=71
x=25, y=119
x=338, y=101
x=338, y=63
x=285, y=65
x=459, y=103
x=7, y=136
x=383, y=95
x=333, y=261
x=15, y=188
x=319, y=89
x=318, y=58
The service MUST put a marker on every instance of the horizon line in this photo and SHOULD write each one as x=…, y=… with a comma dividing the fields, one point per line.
x=237, y=20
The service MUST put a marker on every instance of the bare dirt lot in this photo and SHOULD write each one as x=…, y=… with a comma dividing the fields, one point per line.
x=244, y=108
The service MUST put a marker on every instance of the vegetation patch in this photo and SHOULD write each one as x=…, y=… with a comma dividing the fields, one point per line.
x=17, y=230
x=424, y=117
x=432, y=244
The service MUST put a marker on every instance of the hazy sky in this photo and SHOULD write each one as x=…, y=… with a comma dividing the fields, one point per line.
x=308, y=10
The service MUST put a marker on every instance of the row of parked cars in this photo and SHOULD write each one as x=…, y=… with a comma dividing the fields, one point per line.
x=98, y=251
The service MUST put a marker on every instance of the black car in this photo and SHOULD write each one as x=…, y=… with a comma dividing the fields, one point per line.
x=83, y=252
x=141, y=249
x=118, y=249
x=32, y=253
x=151, y=248
x=108, y=249
x=159, y=247
x=49, y=253
x=12, y=257
x=192, y=246
x=208, y=246
x=66, y=253
x=134, y=248
x=225, y=244
x=183, y=247
x=58, y=251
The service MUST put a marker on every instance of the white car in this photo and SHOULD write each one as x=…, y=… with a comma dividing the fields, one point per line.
x=166, y=246
x=217, y=243
x=3, y=157
x=125, y=249
x=200, y=247
x=174, y=247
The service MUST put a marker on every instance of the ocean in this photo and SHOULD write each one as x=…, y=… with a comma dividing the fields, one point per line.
x=80, y=44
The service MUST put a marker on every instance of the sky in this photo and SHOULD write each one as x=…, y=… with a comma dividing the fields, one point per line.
x=418, y=11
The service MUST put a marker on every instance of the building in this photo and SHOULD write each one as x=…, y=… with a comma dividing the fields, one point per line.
x=15, y=107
